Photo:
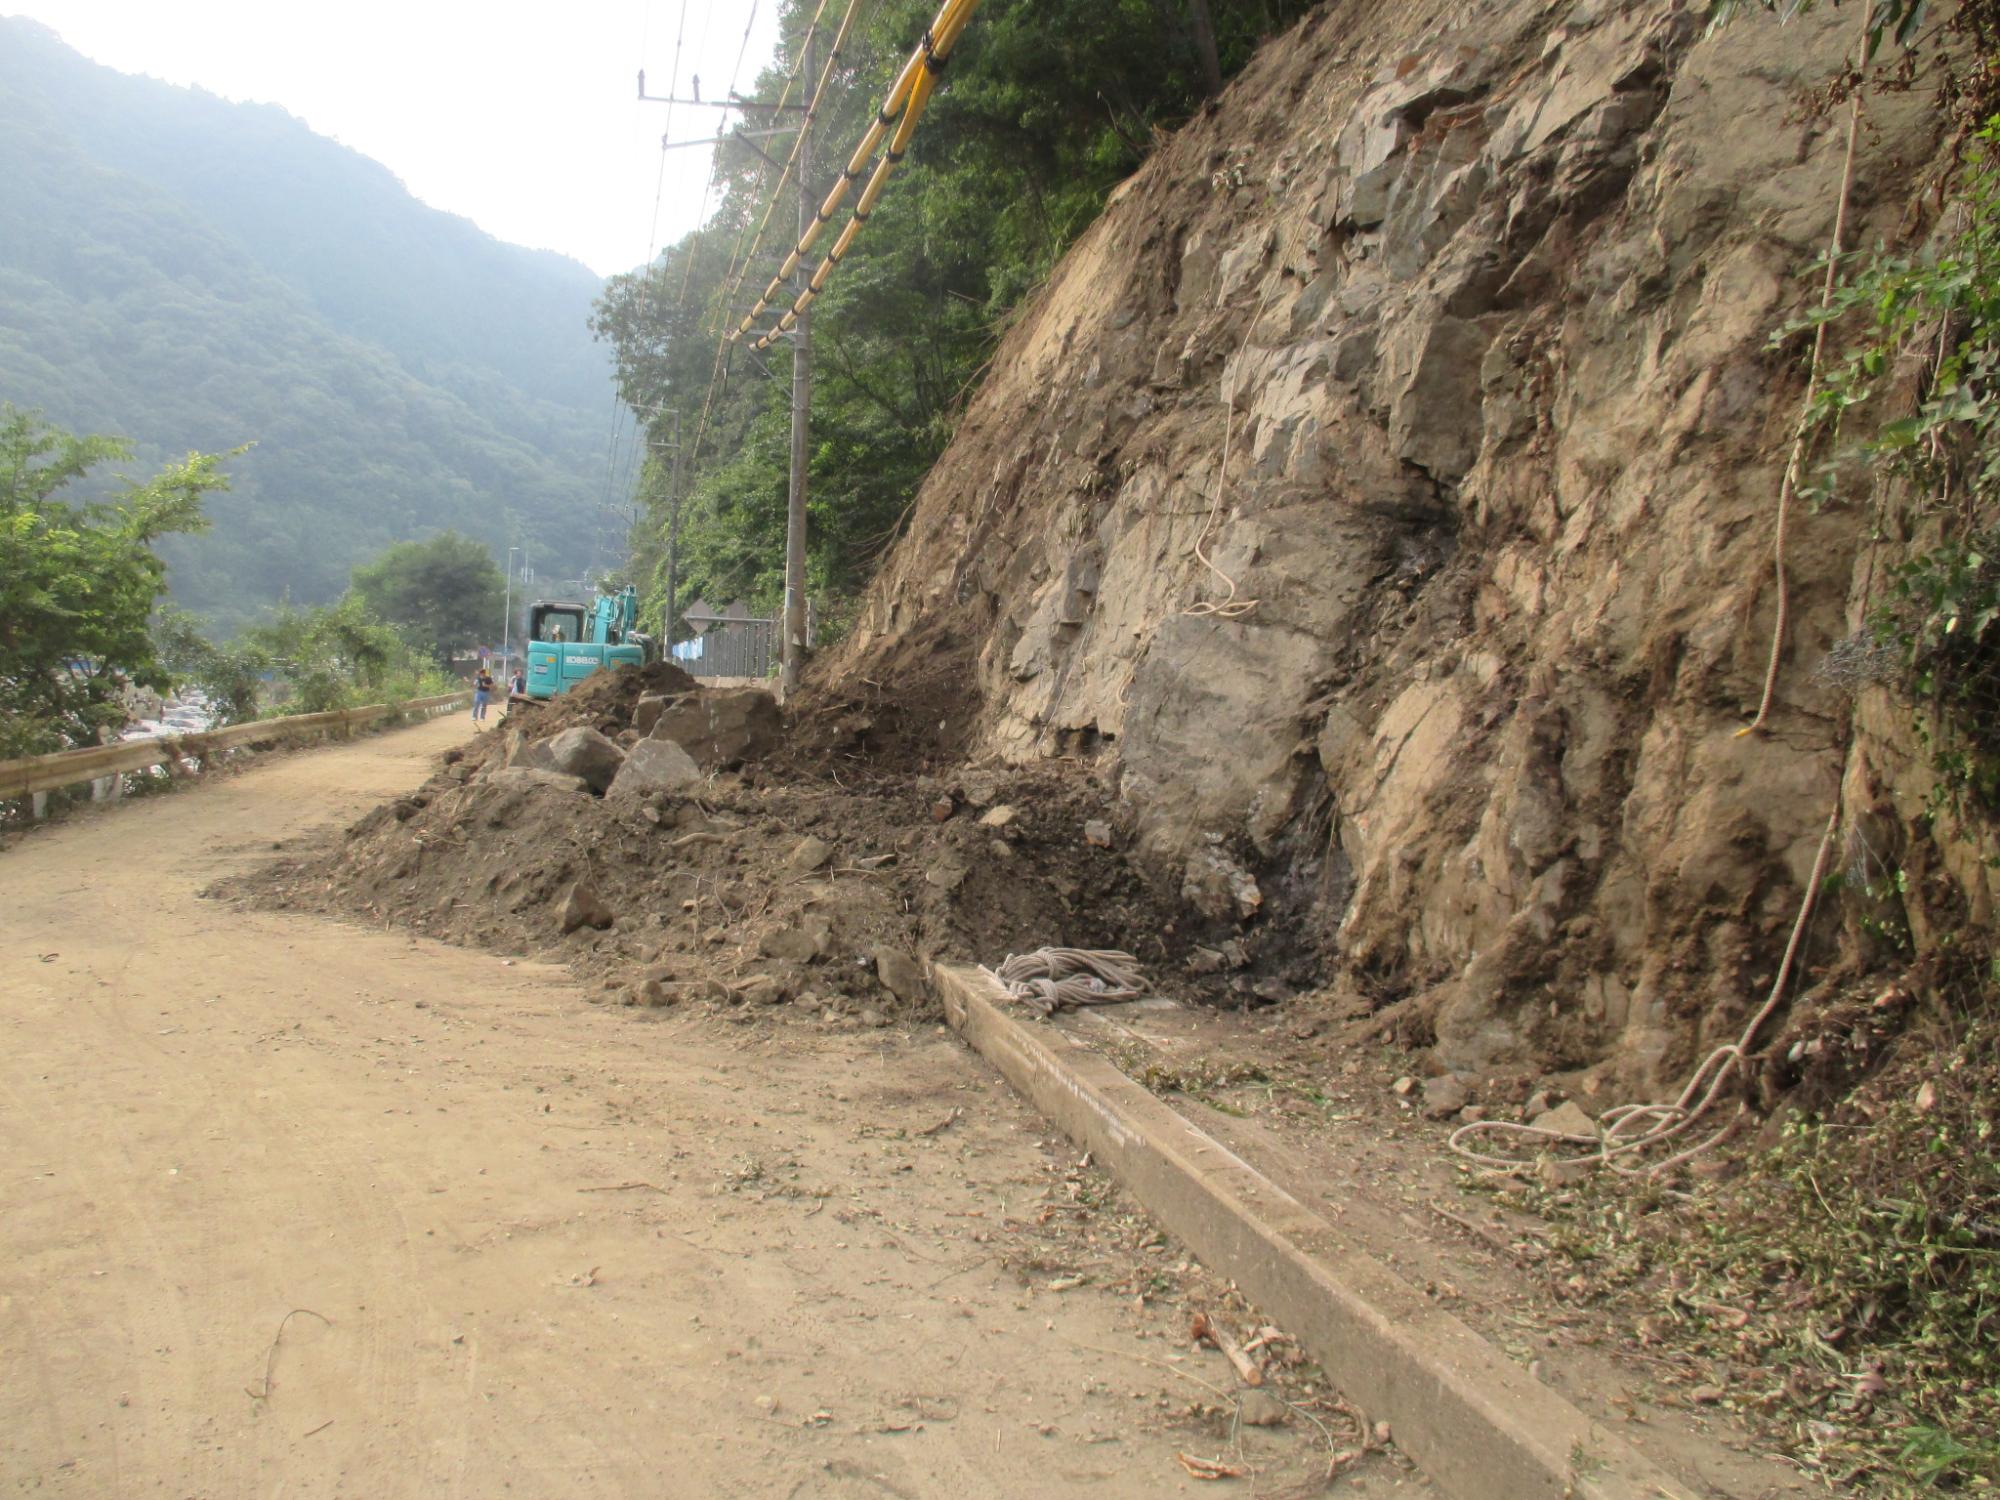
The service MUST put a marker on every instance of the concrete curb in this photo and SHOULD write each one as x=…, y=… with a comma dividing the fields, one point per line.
x=1478, y=1425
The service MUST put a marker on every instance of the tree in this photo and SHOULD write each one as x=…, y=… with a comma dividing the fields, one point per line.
x=447, y=593
x=79, y=580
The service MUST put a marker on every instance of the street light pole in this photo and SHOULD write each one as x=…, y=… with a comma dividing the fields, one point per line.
x=507, y=615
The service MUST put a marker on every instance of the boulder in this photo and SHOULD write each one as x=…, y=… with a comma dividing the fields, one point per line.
x=583, y=907
x=646, y=712
x=586, y=753
x=721, y=728
x=522, y=751
x=522, y=778
x=901, y=974
x=653, y=766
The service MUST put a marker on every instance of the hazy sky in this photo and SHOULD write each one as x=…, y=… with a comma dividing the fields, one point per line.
x=518, y=114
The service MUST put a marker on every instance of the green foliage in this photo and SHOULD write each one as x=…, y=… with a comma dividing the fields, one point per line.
x=1922, y=332
x=1896, y=19
x=78, y=581
x=194, y=272
x=1849, y=1283
x=342, y=656
x=445, y=594
x=1045, y=108
x=228, y=677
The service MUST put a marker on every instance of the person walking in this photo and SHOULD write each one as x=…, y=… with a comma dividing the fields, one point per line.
x=482, y=694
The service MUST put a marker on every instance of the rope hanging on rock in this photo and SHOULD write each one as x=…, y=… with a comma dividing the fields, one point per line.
x=1628, y=1139
x=1052, y=979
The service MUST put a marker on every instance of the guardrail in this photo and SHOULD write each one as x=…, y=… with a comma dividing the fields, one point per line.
x=46, y=773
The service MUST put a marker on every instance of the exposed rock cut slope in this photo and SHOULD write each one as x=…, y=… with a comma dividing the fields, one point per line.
x=1472, y=304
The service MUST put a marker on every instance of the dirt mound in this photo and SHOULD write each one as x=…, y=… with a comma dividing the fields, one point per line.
x=765, y=887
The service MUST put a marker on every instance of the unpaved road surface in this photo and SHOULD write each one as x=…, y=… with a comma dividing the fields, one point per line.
x=292, y=1208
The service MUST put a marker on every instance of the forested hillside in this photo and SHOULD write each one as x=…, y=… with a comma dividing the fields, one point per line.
x=197, y=274
x=1048, y=107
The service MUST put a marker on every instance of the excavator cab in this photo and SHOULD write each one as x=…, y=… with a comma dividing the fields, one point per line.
x=567, y=641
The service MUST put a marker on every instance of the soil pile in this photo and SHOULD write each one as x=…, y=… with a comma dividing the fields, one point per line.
x=777, y=882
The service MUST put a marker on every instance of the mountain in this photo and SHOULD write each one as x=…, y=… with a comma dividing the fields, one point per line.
x=194, y=273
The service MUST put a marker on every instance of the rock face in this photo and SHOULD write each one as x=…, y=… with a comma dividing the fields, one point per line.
x=1384, y=490
x=721, y=728
x=588, y=754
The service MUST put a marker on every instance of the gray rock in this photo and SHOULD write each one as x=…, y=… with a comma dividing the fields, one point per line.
x=722, y=728
x=901, y=974
x=653, y=766
x=1445, y=1096
x=646, y=712
x=1568, y=1119
x=523, y=778
x=998, y=817
x=1097, y=833
x=586, y=753
x=522, y=751
x=761, y=989
x=1219, y=888
x=808, y=855
x=1259, y=1408
x=872, y=1017
x=801, y=944
x=583, y=907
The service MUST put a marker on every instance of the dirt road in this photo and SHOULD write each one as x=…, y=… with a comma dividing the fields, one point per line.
x=295, y=1208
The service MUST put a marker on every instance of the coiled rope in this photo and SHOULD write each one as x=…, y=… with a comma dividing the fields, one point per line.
x=1626, y=1134
x=1053, y=979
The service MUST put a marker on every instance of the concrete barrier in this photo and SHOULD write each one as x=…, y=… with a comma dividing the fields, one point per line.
x=1479, y=1426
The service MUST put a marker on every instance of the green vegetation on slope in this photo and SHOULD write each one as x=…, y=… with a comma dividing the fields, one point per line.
x=1044, y=109
x=194, y=272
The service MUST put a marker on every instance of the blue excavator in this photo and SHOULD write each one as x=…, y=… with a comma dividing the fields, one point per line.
x=568, y=641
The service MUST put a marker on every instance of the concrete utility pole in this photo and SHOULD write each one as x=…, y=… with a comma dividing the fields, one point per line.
x=794, y=623
x=674, y=504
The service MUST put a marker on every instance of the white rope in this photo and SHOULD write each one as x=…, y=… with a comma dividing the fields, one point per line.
x=1051, y=979
x=1630, y=1130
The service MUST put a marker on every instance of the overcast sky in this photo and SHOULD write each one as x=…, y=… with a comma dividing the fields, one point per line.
x=518, y=114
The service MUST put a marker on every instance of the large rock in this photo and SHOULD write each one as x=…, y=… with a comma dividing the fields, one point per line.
x=522, y=751
x=653, y=766
x=722, y=728
x=586, y=753
x=583, y=907
x=901, y=974
x=646, y=712
x=528, y=778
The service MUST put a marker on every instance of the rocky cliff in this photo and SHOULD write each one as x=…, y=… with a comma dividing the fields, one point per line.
x=1383, y=495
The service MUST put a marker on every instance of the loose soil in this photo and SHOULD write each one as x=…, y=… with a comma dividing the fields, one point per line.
x=306, y=1206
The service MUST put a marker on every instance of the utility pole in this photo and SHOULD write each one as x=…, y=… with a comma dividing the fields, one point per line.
x=674, y=504
x=794, y=624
